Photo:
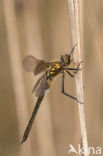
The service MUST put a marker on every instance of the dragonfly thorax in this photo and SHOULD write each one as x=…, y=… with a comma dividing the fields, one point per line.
x=55, y=69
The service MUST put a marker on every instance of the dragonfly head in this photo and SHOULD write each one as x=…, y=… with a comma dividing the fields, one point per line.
x=66, y=59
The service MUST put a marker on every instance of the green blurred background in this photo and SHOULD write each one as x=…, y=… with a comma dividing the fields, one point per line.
x=41, y=28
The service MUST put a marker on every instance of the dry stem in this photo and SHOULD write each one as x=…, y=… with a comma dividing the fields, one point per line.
x=75, y=19
x=16, y=70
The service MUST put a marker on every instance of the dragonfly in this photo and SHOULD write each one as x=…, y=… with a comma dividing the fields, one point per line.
x=49, y=70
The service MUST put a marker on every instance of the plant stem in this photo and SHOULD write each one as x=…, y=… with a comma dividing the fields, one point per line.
x=76, y=34
x=16, y=70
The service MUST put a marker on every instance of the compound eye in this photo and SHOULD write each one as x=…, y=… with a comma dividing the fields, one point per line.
x=65, y=59
x=69, y=58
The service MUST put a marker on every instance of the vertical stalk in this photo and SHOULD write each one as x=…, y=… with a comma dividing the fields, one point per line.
x=16, y=70
x=34, y=44
x=76, y=35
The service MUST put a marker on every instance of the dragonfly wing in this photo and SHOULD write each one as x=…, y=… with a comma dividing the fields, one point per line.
x=41, y=66
x=30, y=63
x=38, y=83
x=41, y=86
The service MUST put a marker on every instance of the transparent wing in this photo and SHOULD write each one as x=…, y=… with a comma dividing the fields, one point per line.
x=41, y=66
x=41, y=89
x=38, y=82
x=41, y=86
x=32, y=64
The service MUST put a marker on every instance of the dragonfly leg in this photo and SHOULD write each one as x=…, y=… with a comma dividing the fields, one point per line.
x=73, y=49
x=75, y=69
x=78, y=67
x=69, y=73
x=63, y=91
